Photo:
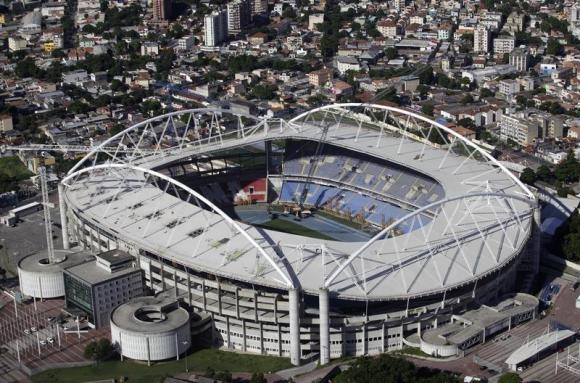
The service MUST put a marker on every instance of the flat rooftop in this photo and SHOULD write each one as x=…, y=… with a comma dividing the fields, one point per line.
x=93, y=274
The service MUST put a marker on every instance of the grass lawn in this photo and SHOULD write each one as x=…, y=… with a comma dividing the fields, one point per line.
x=141, y=373
x=293, y=228
x=12, y=167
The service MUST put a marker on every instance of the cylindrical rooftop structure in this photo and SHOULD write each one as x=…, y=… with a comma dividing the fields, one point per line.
x=151, y=328
x=41, y=279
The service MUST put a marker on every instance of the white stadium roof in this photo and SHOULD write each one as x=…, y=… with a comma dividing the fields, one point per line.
x=481, y=224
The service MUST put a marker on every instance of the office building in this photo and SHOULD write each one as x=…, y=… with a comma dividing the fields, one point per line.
x=215, y=28
x=96, y=287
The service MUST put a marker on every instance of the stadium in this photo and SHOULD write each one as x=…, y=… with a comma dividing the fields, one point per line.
x=338, y=232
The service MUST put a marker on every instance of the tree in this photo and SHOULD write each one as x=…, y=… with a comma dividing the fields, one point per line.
x=554, y=47
x=510, y=377
x=28, y=68
x=103, y=349
x=263, y=92
x=484, y=93
x=386, y=368
x=90, y=350
x=98, y=350
x=391, y=53
x=544, y=173
x=569, y=169
x=467, y=99
x=427, y=109
x=258, y=377
x=528, y=176
x=466, y=123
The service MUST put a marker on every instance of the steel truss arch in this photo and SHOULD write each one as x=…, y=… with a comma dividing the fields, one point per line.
x=288, y=281
x=384, y=232
x=109, y=144
x=422, y=118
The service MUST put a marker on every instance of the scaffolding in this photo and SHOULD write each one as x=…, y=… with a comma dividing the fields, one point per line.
x=570, y=362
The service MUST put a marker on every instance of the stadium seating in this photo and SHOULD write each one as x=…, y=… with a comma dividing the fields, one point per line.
x=345, y=202
x=363, y=173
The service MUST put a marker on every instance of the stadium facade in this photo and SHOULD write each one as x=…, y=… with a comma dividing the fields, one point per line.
x=413, y=222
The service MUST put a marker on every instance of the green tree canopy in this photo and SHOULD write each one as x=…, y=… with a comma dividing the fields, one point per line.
x=386, y=368
x=528, y=176
x=510, y=377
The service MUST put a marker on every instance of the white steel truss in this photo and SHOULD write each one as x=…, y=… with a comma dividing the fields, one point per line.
x=493, y=215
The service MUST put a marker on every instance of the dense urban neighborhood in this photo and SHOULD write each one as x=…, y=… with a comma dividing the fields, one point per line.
x=491, y=86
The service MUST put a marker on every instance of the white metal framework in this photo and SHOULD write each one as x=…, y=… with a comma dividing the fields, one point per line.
x=478, y=227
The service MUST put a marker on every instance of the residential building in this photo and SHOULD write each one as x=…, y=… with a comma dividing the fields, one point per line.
x=399, y=4
x=481, y=40
x=5, y=123
x=185, y=43
x=444, y=31
x=96, y=287
x=388, y=28
x=238, y=15
x=215, y=28
x=503, y=45
x=518, y=129
x=320, y=77
x=258, y=7
x=16, y=44
x=509, y=87
x=519, y=59
x=314, y=19
x=345, y=63
x=161, y=9
x=149, y=48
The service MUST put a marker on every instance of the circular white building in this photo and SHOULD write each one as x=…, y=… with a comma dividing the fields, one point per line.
x=151, y=329
x=42, y=279
x=412, y=223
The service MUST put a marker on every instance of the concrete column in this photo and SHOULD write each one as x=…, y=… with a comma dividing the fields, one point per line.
x=279, y=341
x=261, y=338
x=189, y=290
x=276, y=308
x=364, y=340
x=293, y=308
x=255, y=306
x=383, y=338
x=203, y=295
x=63, y=220
x=237, y=303
x=219, y=296
x=324, y=326
x=228, y=339
x=243, y=335
x=537, y=233
x=175, y=283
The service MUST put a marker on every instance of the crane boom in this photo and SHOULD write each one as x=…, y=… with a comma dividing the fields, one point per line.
x=46, y=208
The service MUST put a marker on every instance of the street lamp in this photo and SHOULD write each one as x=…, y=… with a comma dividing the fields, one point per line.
x=186, y=343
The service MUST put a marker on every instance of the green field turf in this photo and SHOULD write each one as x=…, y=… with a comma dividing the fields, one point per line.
x=198, y=361
x=293, y=228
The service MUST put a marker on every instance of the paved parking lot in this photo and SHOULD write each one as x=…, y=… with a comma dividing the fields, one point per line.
x=28, y=237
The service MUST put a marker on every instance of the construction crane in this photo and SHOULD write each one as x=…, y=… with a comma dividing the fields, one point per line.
x=46, y=205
